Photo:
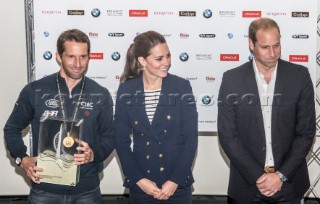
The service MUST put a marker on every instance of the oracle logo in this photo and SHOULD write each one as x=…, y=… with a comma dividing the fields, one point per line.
x=184, y=35
x=251, y=14
x=93, y=35
x=138, y=13
x=298, y=58
x=229, y=57
x=96, y=55
x=210, y=78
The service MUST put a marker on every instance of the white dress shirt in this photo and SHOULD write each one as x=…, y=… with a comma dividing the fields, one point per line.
x=266, y=92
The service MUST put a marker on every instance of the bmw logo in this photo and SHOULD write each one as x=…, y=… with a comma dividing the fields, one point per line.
x=47, y=55
x=115, y=56
x=230, y=35
x=206, y=100
x=207, y=13
x=250, y=57
x=46, y=34
x=184, y=56
x=95, y=12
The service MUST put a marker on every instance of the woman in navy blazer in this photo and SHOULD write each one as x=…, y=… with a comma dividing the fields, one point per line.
x=155, y=125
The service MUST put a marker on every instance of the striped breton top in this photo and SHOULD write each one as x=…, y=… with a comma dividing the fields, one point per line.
x=151, y=101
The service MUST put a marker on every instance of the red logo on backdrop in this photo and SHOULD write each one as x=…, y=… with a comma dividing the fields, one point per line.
x=93, y=35
x=229, y=57
x=298, y=58
x=210, y=78
x=138, y=13
x=96, y=55
x=251, y=14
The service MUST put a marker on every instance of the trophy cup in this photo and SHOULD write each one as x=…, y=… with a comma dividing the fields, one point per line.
x=57, y=145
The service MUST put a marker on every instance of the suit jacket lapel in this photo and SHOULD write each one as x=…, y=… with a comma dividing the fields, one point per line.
x=278, y=91
x=163, y=100
x=140, y=110
x=280, y=84
x=252, y=88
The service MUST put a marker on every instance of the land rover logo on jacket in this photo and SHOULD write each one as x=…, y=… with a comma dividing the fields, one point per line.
x=52, y=103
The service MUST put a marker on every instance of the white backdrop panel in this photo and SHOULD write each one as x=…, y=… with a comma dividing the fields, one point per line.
x=204, y=68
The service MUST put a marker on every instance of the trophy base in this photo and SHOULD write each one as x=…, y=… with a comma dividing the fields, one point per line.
x=56, y=171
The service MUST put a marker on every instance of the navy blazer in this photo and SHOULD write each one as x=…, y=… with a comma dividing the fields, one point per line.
x=241, y=130
x=165, y=149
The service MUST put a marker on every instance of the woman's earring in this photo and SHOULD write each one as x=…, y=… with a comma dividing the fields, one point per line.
x=141, y=69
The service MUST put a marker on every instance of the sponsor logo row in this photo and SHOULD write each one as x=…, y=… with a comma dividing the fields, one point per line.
x=47, y=55
x=207, y=13
x=54, y=103
x=181, y=35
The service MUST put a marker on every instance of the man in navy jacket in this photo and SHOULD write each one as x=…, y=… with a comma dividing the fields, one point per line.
x=65, y=94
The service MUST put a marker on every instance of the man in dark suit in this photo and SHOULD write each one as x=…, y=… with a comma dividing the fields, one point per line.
x=266, y=122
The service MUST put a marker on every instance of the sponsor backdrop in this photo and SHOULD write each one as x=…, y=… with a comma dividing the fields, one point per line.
x=205, y=37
